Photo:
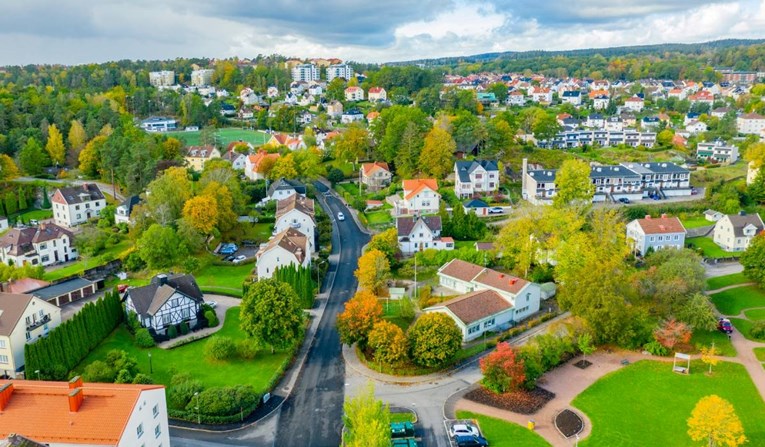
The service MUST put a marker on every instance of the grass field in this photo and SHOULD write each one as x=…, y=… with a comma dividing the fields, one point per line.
x=743, y=326
x=755, y=314
x=347, y=167
x=392, y=313
x=664, y=401
x=85, y=263
x=501, y=433
x=721, y=341
x=463, y=244
x=32, y=213
x=190, y=358
x=727, y=280
x=710, y=249
x=223, y=279
x=733, y=301
x=696, y=222
x=704, y=177
x=351, y=188
x=382, y=217
x=223, y=137
x=760, y=354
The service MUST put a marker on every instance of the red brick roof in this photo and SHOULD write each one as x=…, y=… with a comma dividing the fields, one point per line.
x=661, y=225
x=462, y=270
x=501, y=281
x=477, y=305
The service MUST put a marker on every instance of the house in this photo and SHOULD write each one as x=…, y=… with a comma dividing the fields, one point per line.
x=720, y=112
x=351, y=116
x=614, y=124
x=476, y=206
x=538, y=186
x=600, y=102
x=245, y=113
x=734, y=232
x=77, y=204
x=652, y=234
x=516, y=98
x=24, y=319
x=702, y=97
x=713, y=216
x=334, y=109
x=420, y=196
x=377, y=94
x=650, y=122
x=595, y=121
x=354, y=94
x=44, y=245
x=22, y=285
x=492, y=300
x=14, y=440
x=256, y=164
x=634, y=103
x=376, y=175
x=288, y=247
x=696, y=126
x=751, y=123
x=421, y=233
x=718, y=152
x=124, y=209
x=541, y=95
x=197, y=156
x=84, y=414
x=665, y=178
x=283, y=188
x=573, y=97
x=168, y=300
x=475, y=177
x=237, y=159
x=297, y=212
x=373, y=115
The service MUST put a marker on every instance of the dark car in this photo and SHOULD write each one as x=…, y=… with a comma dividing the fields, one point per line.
x=723, y=325
x=401, y=430
x=229, y=258
x=471, y=441
x=624, y=200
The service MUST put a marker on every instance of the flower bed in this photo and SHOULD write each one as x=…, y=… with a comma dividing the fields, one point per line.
x=522, y=402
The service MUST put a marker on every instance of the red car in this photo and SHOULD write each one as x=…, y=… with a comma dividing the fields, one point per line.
x=121, y=288
x=723, y=325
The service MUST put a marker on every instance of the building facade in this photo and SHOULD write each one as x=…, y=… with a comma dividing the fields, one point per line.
x=475, y=177
x=735, y=232
x=77, y=204
x=652, y=234
x=305, y=73
x=162, y=78
x=44, y=245
x=24, y=319
x=201, y=78
x=167, y=301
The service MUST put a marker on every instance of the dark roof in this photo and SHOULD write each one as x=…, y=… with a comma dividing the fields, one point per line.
x=79, y=194
x=475, y=203
x=19, y=240
x=12, y=306
x=149, y=299
x=406, y=224
x=284, y=184
x=739, y=222
x=18, y=441
x=657, y=168
x=476, y=306
x=572, y=94
x=61, y=288
x=129, y=203
x=465, y=168
x=611, y=171
x=544, y=175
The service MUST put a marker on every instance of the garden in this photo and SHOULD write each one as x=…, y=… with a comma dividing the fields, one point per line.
x=709, y=249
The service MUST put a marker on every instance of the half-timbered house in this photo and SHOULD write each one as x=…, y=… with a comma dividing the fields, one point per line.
x=166, y=301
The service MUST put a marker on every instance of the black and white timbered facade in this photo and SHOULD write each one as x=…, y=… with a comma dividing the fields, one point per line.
x=167, y=300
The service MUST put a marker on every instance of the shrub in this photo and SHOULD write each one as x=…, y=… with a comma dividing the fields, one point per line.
x=133, y=324
x=223, y=401
x=247, y=349
x=180, y=395
x=98, y=371
x=758, y=330
x=433, y=340
x=142, y=379
x=133, y=262
x=503, y=370
x=424, y=298
x=184, y=328
x=143, y=339
x=124, y=376
x=172, y=331
x=656, y=348
x=219, y=348
x=212, y=319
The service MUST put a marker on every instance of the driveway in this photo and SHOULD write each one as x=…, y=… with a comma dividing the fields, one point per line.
x=723, y=268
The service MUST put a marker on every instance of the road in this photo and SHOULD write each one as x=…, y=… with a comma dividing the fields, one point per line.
x=106, y=189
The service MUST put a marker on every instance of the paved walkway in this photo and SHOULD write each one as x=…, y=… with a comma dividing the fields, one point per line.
x=723, y=289
x=224, y=304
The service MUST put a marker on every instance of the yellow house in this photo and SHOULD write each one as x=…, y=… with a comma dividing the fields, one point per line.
x=197, y=156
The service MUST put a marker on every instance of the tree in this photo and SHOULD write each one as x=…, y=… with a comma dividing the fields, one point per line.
x=55, y=145
x=434, y=339
x=697, y=312
x=373, y=271
x=89, y=156
x=467, y=131
x=11, y=203
x=32, y=158
x=366, y=419
x=437, y=152
x=352, y=144
x=500, y=91
x=335, y=175
x=709, y=356
x=223, y=199
x=388, y=342
x=714, y=421
x=201, y=213
x=503, y=371
x=270, y=313
x=359, y=317
x=753, y=259
x=574, y=184
x=168, y=193
x=584, y=343
x=77, y=138
x=284, y=167
x=160, y=247
x=8, y=169
x=386, y=242
x=499, y=136
x=672, y=332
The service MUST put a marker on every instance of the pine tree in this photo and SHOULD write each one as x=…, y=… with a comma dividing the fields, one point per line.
x=22, y=199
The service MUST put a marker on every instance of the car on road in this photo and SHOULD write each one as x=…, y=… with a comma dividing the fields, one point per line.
x=471, y=441
x=340, y=216
x=624, y=200
x=723, y=325
x=463, y=430
x=407, y=442
x=496, y=210
x=212, y=304
x=239, y=259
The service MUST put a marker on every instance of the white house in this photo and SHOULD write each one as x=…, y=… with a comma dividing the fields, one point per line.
x=695, y=126
x=492, y=300
x=255, y=164
x=351, y=116
x=573, y=97
x=541, y=95
x=289, y=247
x=600, y=102
x=166, y=301
x=24, y=319
x=516, y=98
x=297, y=212
x=655, y=233
x=475, y=177
x=45, y=245
x=634, y=104
x=376, y=94
x=354, y=94
x=614, y=124
x=84, y=414
x=734, y=232
x=237, y=159
x=421, y=233
x=125, y=209
x=78, y=204
x=420, y=196
x=375, y=175
x=282, y=189
x=751, y=123
x=712, y=215
x=159, y=124
x=595, y=121
x=717, y=151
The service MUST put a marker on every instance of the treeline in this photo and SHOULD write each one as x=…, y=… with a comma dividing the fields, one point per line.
x=65, y=347
x=299, y=278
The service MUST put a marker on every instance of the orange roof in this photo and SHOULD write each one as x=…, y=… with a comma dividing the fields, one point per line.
x=256, y=159
x=413, y=187
x=373, y=115
x=661, y=225
x=41, y=411
x=375, y=90
x=369, y=168
x=595, y=93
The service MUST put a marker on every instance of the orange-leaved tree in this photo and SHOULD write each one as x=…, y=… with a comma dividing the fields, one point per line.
x=672, y=332
x=359, y=317
x=503, y=370
x=388, y=342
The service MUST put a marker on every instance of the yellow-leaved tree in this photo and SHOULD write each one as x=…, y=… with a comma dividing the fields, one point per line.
x=714, y=421
x=55, y=145
x=437, y=153
x=366, y=419
x=284, y=167
x=709, y=356
x=373, y=271
x=201, y=212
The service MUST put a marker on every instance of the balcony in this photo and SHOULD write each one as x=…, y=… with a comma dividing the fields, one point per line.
x=38, y=322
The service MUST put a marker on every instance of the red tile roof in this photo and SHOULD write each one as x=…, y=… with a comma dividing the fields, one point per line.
x=369, y=168
x=462, y=270
x=413, y=187
x=661, y=225
x=501, y=281
x=476, y=306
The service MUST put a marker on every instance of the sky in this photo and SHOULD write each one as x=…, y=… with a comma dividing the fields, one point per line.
x=85, y=31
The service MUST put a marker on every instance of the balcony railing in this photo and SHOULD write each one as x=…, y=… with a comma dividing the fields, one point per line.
x=35, y=324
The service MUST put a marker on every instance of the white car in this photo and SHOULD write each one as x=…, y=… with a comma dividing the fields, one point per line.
x=496, y=210
x=240, y=258
x=340, y=216
x=212, y=304
x=463, y=430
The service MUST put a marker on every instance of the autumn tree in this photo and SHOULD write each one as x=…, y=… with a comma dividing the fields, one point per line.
x=167, y=195
x=714, y=421
x=386, y=242
x=224, y=202
x=437, y=152
x=709, y=356
x=698, y=313
x=574, y=184
x=388, y=342
x=201, y=213
x=89, y=159
x=270, y=313
x=434, y=340
x=373, y=271
x=359, y=317
x=55, y=145
x=76, y=138
x=308, y=163
x=503, y=371
x=672, y=332
x=367, y=420
x=753, y=259
x=352, y=144
x=284, y=167
x=32, y=158
x=8, y=169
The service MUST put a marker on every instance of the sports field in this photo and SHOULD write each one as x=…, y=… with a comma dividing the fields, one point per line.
x=223, y=137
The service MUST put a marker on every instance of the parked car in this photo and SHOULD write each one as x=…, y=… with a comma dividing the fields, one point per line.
x=228, y=249
x=239, y=259
x=406, y=442
x=229, y=258
x=624, y=200
x=121, y=288
x=212, y=304
x=471, y=441
x=694, y=191
x=401, y=430
x=34, y=222
x=496, y=210
x=723, y=325
x=463, y=430
x=340, y=216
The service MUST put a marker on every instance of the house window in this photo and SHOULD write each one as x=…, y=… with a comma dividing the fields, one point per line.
x=41, y=313
x=185, y=313
x=29, y=336
x=4, y=359
x=139, y=430
x=2, y=344
x=473, y=329
x=77, y=207
x=488, y=323
x=43, y=246
x=157, y=431
x=79, y=216
x=87, y=205
x=155, y=410
x=166, y=319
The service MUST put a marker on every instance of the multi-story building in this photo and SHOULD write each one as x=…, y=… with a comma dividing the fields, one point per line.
x=634, y=103
x=343, y=71
x=289, y=247
x=750, y=123
x=735, y=232
x=162, y=78
x=717, y=151
x=376, y=94
x=421, y=233
x=603, y=138
x=475, y=177
x=297, y=212
x=24, y=319
x=420, y=197
x=375, y=175
x=655, y=233
x=159, y=124
x=305, y=72
x=197, y=156
x=354, y=94
x=662, y=178
x=77, y=204
x=45, y=245
x=200, y=78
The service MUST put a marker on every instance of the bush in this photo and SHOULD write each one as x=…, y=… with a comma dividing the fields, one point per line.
x=180, y=395
x=172, y=332
x=758, y=330
x=124, y=376
x=143, y=338
x=247, y=349
x=142, y=379
x=212, y=319
x=184, y=328
x=98, y=371
x=434, y=340
x=224, y=401
x=133, y=324
x=133, y=262
x=656, y=348
x=335, y=175
x=219, y=348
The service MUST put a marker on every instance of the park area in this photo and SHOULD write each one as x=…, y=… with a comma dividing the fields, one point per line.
x=223, y=137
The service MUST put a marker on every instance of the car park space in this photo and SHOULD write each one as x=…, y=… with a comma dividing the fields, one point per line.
x=464, y=433
x=236, y=254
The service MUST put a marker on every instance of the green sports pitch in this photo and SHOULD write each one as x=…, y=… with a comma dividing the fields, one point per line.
x=223, y=137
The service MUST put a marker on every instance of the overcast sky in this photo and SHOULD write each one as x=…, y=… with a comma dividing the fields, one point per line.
x=81, y=31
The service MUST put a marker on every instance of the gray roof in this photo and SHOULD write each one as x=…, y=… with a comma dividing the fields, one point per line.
x=465, y=168
x=61, y=288
x=83, y=193
x=611, y=171
x=656, y=168
x=284, y=184
x=475, y=203
x=149, y=299
x=406, y=224
x=129, y=203
x=12, y=306
x=739, y=222
x=544, y=175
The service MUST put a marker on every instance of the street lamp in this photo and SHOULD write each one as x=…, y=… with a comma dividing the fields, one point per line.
x=151, y=370
x=199, y=416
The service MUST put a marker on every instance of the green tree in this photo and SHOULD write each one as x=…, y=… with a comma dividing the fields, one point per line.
x=168, y=194
x=753, y=259
x=55, y=145
x=160, y=247
x=434, y=340
x=32, y=158
x=270, y=313
x=11, y=203
x=367, y=420
x=499, y=137
x=437, y=153
x=336, y=89
x=386, y=242
x=467, y=131
x=500, y=91
x=574, y=184
x=352, y=145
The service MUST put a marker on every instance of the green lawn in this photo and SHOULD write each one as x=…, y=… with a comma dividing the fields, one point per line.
x=85, y=263
x=760, y=354
x=223, y=136
x=727, y=280
x=259, y=232
x=743, y=326
x=755, y=314
x=461, y=244
x=347, y=167
x=379, y=217
x=721, y=341
x=32, y=213
x=696, y=222
x=403, y=417
x=646, y=404
x=223, y=279
x=709, y=248
x=392, y=313
x=258, y=372
x=501, y=433
x=733, y=301
x=351, y=188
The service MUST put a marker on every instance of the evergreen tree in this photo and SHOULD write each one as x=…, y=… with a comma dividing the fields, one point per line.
x=11, y=203
x=22, y=199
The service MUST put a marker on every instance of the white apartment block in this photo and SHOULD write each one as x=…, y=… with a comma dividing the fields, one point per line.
x=717, y=151
x=201, y=78
x=475, y=177
x=78, y=204
x=339, y=71
x=164, y=78
x=305, y=72
x=751, y=123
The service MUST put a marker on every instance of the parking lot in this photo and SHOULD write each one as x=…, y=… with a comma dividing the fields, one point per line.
x=248, y=251
x=465, y=427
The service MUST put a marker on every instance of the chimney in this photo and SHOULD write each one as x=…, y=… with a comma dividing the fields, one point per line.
x=85, y=186
x=75, y=400
x=162, y=279
x=75, y=382
x=648, y=217
x=663, y=216
x=513, y=281
x=6, y=391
